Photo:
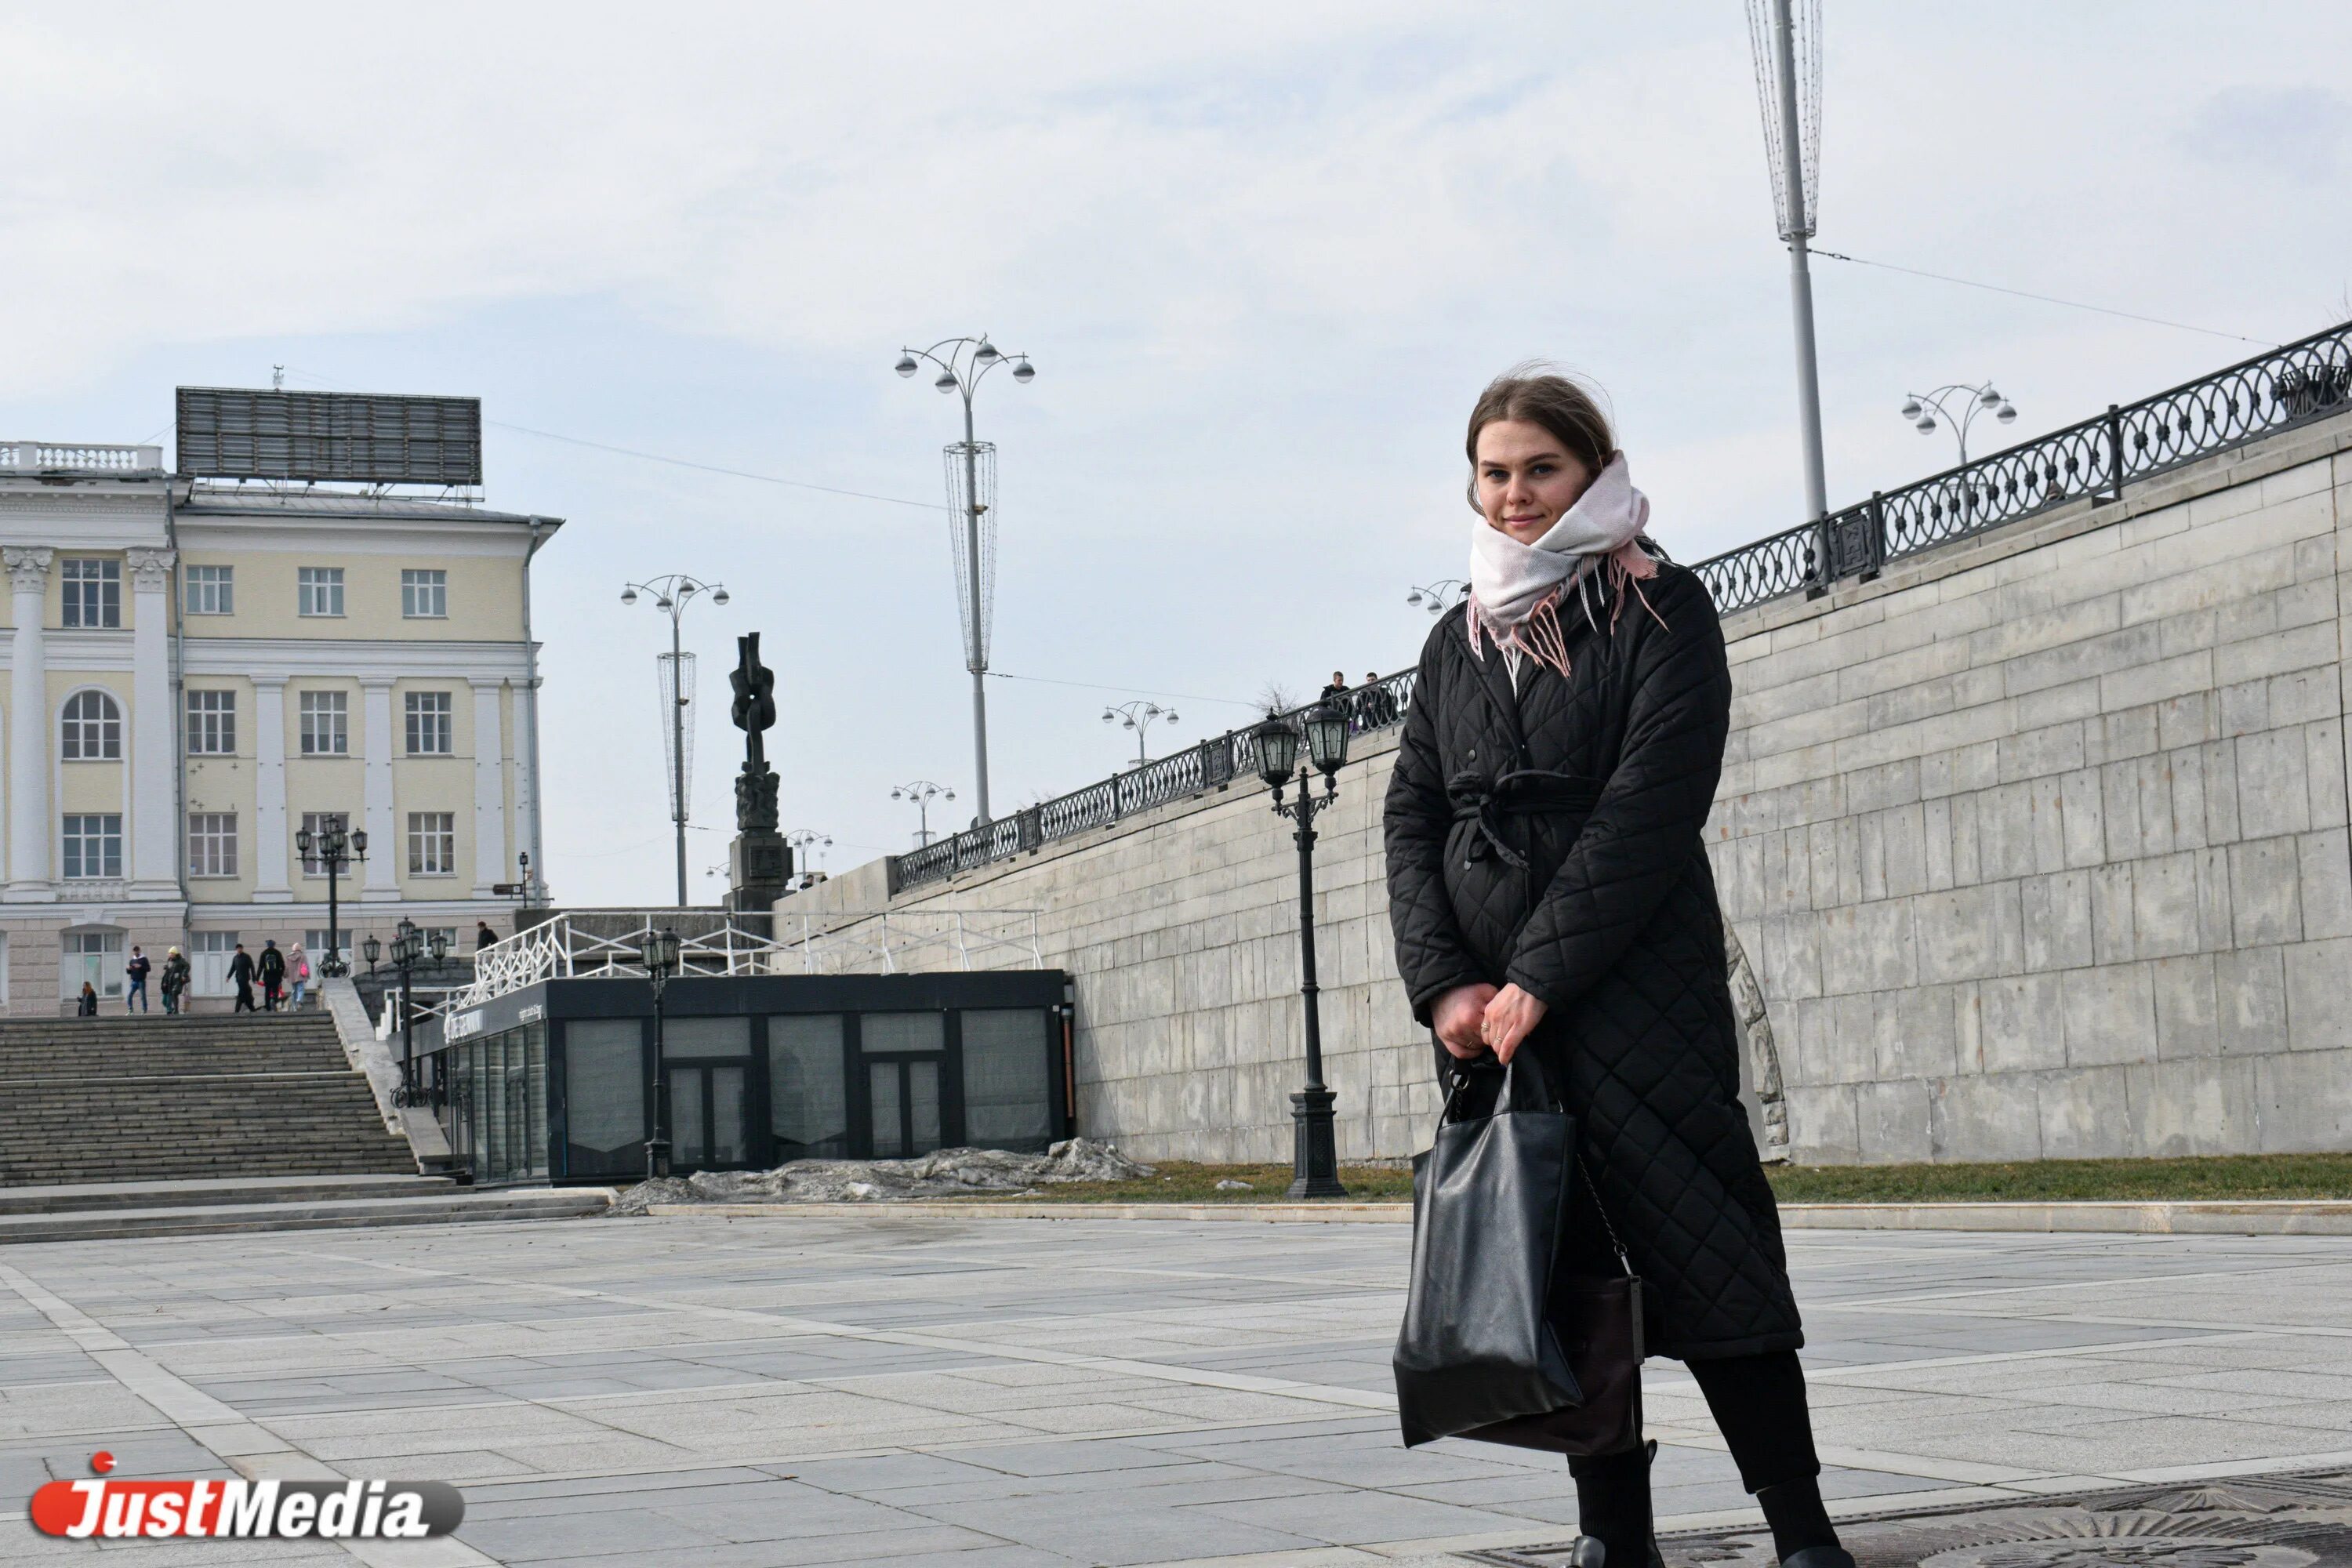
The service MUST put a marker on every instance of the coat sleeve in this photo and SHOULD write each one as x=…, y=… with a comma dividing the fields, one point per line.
x=1652, y=815
x=1432, y=956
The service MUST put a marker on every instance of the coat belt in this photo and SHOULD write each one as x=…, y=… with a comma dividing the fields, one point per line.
x=1525, y=791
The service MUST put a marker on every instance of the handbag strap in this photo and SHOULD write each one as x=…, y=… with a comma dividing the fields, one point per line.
x=1607, y=1229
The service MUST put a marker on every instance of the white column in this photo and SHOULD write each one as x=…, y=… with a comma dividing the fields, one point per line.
x=270, y=836
x=29, y=828
x=489, y=790
x=526, y=791
x=155, y=758
x=386, y=846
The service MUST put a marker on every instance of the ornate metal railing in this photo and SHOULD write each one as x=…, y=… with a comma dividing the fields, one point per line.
x=2273, y=392
x=1212, y=764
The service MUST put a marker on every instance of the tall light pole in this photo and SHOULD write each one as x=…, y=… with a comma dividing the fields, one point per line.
x=657, y=951
x=1918, y=406
x=922, y=791
x=968, y=361
x=671, y=595
x=334, y=848
x=1139, y=717
x=1792, y=146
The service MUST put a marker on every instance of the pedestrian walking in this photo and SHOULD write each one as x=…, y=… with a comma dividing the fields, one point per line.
x=240, y=970
x=174, y=982
x=85, y=1005
x=1549, y=891
x=1338, y=687
x=1375, y=707
x=483, y=935
x=297, y=975
x=272, y=971
x=136, y=973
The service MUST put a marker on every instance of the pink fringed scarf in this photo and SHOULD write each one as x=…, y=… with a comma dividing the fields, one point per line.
x=1515, y=589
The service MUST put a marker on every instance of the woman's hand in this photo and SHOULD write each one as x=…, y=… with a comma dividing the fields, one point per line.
x=1457, y=1019
x=1511, y=1017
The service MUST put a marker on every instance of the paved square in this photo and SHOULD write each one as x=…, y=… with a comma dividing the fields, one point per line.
x=988, y=1394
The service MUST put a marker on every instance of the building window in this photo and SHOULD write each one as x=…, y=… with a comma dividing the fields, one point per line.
x=212, y=844
x=94, y=845
x=428, y=724
x=318, y=824
x=211, y=724
x=94, y=592
x=93, y=728
x=319, y=590
x=314, y=943
x=432, y=844
x=326, y=724
x=424, y=594
x=210, y=591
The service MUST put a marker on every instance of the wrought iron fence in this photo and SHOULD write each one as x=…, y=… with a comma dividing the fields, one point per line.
x=2270, y=392
x=1196, y=770
x=2273, y=392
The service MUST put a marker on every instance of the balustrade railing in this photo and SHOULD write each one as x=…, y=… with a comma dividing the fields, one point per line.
x=1196, y=770
x=77, y=458
x=2271, y=392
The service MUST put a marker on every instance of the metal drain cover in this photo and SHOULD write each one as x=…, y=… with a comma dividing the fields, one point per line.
x=2297, y=1520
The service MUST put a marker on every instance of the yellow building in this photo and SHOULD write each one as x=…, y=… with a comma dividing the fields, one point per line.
x=196, y=669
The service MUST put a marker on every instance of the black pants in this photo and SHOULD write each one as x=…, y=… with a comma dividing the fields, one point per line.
x=244, y=997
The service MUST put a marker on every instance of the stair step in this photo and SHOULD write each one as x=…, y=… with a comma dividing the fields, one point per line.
x=205, y=1219
x=76, y=1196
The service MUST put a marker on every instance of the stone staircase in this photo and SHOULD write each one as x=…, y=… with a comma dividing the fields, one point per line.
x=151, y=1099
x=113, y=1210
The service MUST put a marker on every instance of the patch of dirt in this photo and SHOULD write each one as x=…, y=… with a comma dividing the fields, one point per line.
x=949, y=1173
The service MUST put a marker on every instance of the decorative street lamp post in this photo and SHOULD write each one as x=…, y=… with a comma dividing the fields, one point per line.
x=409, y=947
x=801, y=841
x=922, y=791
x=1139, y=717
x=1315, y=1155
x=657, y=952
x=1439, y=596
x=967, y=360
x=334, y=848
x=370, y=950
x=671, y=595
x=1921, y=408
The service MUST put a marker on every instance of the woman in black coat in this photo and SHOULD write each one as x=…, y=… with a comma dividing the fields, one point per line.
x=1549, y=886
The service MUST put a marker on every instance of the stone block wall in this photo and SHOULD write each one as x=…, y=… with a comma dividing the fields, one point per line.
x=2036, y=847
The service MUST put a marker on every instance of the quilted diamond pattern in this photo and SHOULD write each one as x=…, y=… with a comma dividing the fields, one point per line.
x=1613, y=922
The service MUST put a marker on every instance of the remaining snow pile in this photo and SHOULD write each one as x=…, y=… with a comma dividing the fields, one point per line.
x=950, y=1172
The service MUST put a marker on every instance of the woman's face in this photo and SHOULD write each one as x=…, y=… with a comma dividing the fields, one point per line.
x=1527, y=479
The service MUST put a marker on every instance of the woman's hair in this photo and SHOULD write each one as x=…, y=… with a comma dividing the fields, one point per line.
x=1566, y=410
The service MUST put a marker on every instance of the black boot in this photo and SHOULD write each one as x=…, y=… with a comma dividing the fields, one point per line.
x=1801, y=1532
x=1612, y=1510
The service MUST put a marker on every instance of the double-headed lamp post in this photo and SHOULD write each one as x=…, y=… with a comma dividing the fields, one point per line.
x=334, y=848
x=966, y=362
x=409, y=948
x=657, y=951
x=1921, y=408
x=1314, y=1154
x=671, y=595
x=1439, y=596
x=922, y=791
x=1139, y=717
x=801, y=841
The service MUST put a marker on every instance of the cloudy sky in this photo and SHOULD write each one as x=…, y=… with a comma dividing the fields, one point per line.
x=1263, y=256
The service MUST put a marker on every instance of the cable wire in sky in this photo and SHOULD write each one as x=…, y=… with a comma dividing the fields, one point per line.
x=2045, y=298
x=660, y=457
x=1131, y=690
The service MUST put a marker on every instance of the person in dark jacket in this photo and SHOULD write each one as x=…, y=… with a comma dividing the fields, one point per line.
x=483, y=935
x=1549, y=890
x=174, y=982
x=85, y=1005
x=272, y=971
x=240, y=970
x=136, y=973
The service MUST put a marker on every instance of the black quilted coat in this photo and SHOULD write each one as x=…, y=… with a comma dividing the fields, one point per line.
x=1552, y=838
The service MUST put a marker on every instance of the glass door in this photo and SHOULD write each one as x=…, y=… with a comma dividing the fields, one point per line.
x=708, y=1128
x=902, y=1097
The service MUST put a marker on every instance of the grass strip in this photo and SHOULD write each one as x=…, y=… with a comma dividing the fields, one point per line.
x=2035, y=1181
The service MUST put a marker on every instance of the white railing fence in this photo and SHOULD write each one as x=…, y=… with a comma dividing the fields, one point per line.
x=78, y=457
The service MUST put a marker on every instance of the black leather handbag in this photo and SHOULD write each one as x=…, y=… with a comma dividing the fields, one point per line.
x=1497, y=1345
